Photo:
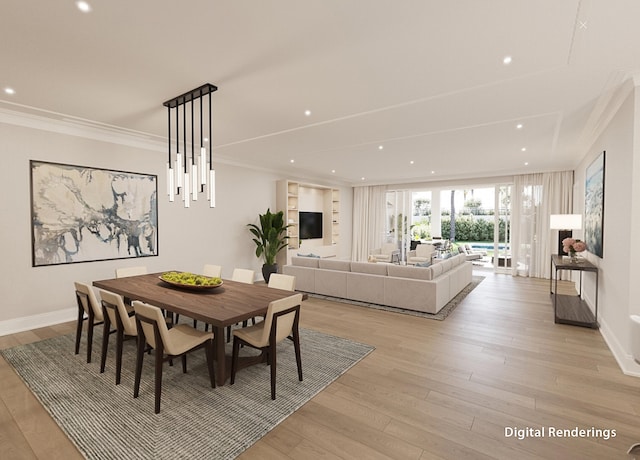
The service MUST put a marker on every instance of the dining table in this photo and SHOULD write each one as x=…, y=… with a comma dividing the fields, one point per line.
x=230, y=303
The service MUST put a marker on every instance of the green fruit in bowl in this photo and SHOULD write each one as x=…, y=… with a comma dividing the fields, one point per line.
x=190, y=279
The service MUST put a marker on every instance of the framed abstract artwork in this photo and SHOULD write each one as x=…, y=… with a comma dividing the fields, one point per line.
x=594, y=206
x=84, y=214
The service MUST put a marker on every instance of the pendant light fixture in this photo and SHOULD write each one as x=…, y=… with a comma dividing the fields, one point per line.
x=188, y=176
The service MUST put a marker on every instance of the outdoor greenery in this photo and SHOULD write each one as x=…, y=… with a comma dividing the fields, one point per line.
x=470, y=229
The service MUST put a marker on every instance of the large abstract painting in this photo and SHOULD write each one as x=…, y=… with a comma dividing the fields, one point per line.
x=594, y=206
x=82, y=214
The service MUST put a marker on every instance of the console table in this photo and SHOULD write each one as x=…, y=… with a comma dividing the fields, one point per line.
x=572, y=309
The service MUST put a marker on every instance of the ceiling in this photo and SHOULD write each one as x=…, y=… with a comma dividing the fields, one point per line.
x=424, y=79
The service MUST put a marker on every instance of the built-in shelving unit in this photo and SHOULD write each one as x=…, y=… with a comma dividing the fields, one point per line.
x=289, y=196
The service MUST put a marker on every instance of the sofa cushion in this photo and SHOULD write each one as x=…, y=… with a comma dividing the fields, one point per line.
x=369, y=268
x=402, y=271
x=341, y=265
x=436, y=270
x=446, y=265
x=310, y=262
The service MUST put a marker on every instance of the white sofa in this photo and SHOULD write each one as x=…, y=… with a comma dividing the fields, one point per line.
x=426, y=289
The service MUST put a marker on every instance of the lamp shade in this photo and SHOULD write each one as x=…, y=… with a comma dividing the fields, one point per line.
x=565, y=221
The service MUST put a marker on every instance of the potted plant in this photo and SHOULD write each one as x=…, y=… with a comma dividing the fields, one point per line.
x=270, y=238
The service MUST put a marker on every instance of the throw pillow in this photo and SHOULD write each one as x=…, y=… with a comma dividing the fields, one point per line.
x=423, y=264
x=311, y=254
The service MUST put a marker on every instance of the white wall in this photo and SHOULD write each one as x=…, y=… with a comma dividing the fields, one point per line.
x=618, y=287
x=188, y=238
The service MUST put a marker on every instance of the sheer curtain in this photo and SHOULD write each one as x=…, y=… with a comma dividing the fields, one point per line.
x=369, y=208
x=535, y=197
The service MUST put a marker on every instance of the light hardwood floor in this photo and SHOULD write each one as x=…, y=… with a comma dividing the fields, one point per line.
x=431, y=389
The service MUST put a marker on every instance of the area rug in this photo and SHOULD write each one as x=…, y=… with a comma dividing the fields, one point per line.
x=196, y=421
x=441, y=315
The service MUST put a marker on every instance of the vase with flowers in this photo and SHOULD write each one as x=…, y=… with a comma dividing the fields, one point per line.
x=572, y=247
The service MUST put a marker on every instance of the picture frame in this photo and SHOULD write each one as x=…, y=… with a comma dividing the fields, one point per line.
x=87, y=214
x=594, y=205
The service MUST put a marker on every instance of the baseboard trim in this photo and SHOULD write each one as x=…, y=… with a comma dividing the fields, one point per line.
x=27, y=323
x=627, y=364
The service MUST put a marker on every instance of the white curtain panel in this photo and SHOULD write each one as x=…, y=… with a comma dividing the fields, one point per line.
x=369, y=208
x=535, y=198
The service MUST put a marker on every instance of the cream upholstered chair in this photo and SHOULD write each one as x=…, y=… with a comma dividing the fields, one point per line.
x=214, y=271
x=241, y=275
x=168, y=344
x=389, y=252
x=280, y=281
x=123, y=272
x=280, y=322
x=115, y=313
x=87, y=305
x=422, y=253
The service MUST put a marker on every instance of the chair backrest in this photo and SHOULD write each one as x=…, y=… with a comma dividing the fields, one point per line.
x=389, y=248
x=214, y=271
x=243, y=275
x=114, y=305
x=425, y=250
x=280, y=281
x=151, y=317
x=87, y=298
x=284, y=322
x=130, y=271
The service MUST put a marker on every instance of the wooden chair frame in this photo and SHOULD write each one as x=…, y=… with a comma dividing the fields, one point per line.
x=270, y=349
x=90, y=318
x=120, y=337
x=160, y=358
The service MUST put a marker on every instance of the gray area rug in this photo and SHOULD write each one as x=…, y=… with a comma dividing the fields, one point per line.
x=442, y=314
x=196, y=421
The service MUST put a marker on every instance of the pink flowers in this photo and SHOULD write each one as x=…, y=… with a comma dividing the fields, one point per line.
x=571, y=245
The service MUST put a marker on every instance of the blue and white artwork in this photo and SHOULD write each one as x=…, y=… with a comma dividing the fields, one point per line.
x=594, y=206
x=82, y=214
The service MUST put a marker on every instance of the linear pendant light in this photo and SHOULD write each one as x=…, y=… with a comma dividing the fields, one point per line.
x=188, y=176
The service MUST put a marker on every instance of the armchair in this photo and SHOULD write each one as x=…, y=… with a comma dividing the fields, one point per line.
x=389, y=252
x=422, y=253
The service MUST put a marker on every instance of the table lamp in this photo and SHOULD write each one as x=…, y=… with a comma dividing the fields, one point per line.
x=565, y=224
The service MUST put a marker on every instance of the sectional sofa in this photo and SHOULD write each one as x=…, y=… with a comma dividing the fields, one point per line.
x=425, y=289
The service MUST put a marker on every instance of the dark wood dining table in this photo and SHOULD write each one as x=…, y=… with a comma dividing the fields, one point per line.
x=232, y=302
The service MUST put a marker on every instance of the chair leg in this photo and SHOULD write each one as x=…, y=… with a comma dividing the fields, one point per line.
x=158, y=379
x=209, y=352
x=195, y=323
x=296, y=346
x=234, y=359
x=79, y=329
x=272, y=364
x=119, y=343
x=90, y=324
x=228, y=334
x=139, y=357
x=105, y=342
x=184, y=363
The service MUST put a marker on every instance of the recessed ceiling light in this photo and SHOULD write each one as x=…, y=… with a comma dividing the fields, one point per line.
x=526, y=163
x=411, y=162
x=362, y=178
x=433, y=172
x=83, y=6
x=10, y=90
x=333, y=171
x=307, y=113
x=524, y=149
x=380, y=147
x=519, y=126
x=507, y=60
x=292, y=161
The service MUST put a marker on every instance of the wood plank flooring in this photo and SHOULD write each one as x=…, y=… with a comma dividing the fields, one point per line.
x=430, y=390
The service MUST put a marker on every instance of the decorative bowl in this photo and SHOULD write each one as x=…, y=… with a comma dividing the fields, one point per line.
x=183, y=285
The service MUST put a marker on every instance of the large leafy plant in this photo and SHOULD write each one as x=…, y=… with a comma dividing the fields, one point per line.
x=270, y=237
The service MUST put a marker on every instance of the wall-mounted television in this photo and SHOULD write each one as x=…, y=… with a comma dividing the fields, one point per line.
x=310, y=225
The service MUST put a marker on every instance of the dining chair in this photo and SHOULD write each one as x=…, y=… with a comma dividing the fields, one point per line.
x=123, y=272
x=87, y=305
x=281, y=321
x=168, y=344
x=115, y=312
x=280, y=281
x=242, y=275
x=214, y=271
